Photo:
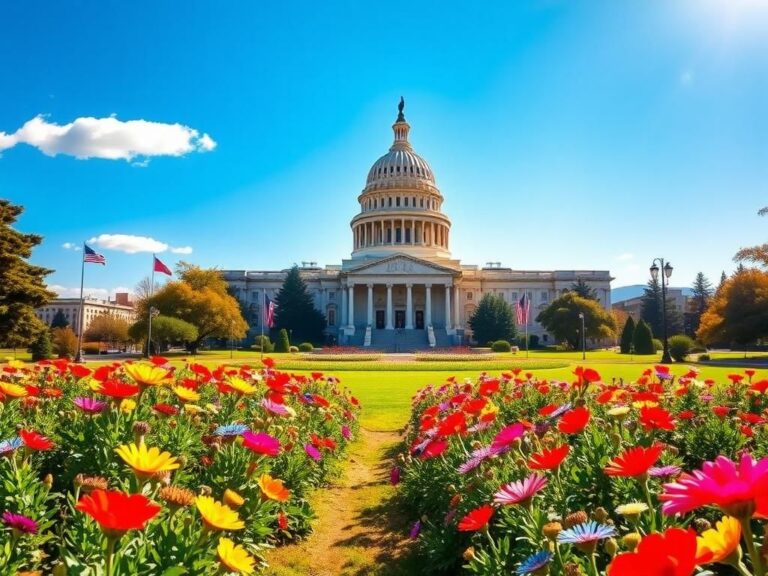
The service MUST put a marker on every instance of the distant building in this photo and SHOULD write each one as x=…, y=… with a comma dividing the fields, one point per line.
x=121, y=307
x=401, y=288
x=633, y=306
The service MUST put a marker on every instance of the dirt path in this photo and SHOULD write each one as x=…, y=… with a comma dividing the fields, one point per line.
x=356, y=532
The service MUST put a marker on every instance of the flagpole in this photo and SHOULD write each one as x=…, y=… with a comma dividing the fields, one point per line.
x=263, y=310
x=151, y=293
x=79, y=355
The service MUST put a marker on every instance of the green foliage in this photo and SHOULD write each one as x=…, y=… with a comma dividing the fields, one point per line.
x=702, y=294
x=165, y=330
x=626, y=336
x=642, y=339
x=22, y=285
x=263, y=343
x=293, y=349
x=64, y=342
x=501, y=346
x=282, y=344
x=651, y=310
x=680, y=346
x=306, y=347
x=658, y=345
x=295, y=310
x=584, y=290
x=561, y=319
x=492, y=320
x=59, y=320
x=41, y=348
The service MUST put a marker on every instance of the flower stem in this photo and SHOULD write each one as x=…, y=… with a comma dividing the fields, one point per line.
x=110, y=554
x=593, y=563
x=754, y=554
x=648, y=501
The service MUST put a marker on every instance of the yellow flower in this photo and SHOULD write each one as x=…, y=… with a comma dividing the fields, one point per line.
x=233, y=499
x=235, y=557
x=632, y=510
x=13, y=390
x=218, y=516
x=127, y=405
x=242, y=386
x=720, y=544
x=619, y=411
x=489, y=408
x=273, y=488
x=146, y=461
x=94, y=385
x=645, y=404
x=146, y=374
x=185, y=394
x=212, y=408
x=193, y=409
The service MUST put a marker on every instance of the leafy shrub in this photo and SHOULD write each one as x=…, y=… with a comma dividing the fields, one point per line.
x=533, y=341
x=642, y=339
x=64, y=342
x=704, y=358
x=680, y=346
x=293, y=349
x=41, y=348
x=282, y=344
x=658, y=345
x=697, y=349
x=501, y=346
x=263, y=343
x=306, y=347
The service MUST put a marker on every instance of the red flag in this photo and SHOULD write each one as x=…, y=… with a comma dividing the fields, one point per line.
x=160, y=267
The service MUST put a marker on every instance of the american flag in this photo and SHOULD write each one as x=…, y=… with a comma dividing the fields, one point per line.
x=90, y=255
x=523, y=308
x=269, y=312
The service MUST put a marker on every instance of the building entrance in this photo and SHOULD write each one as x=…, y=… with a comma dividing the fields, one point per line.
x=419, y=319
x=399, y=319
x=379, y=319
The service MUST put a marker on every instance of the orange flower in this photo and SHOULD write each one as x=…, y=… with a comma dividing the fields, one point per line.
x=273, y=488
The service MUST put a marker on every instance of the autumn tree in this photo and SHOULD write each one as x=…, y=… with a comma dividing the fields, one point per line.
x=561, y=319
x=107, y=328
x=22, y=285
x=199, y=296
x=738, y=312
x=64, y=342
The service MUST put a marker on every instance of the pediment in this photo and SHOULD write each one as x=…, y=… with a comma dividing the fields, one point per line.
x=401, y=264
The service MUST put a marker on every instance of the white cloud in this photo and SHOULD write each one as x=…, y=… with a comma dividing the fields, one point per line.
x=98, y=293
x=108, y=138
x=625, y=257
x=71, y=246
x=182, y=250
x=128, y=243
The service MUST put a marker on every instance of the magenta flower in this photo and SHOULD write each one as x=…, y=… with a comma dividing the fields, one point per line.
x=90, y=405
x=394, y=476
x=274, y=407
x=261, y=443
x=346, y=432
x=508, y=435
x=312, y=452
x=415, y=530
x=737, y=488
x=522, y=491
x=20, y=523
x=663, y=471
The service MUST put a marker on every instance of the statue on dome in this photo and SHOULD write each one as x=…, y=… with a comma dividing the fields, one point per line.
x=400, y=115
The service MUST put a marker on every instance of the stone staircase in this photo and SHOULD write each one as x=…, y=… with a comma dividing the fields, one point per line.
x=400, y=340
x=442, y=339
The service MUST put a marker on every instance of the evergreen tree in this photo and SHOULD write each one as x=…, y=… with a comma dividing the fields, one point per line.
x=642, y=339
x=651, y=311
x=626, y=336
x=723, y=278
x=41, y=348
x=584, y=290
x=295, y=310
x=493, y=320
x=282, y=344
x=22, y=286
x=702, y=294
x=59, y=320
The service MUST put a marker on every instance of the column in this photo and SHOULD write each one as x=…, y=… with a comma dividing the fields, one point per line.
x=409, y=307
x=390, y=325
x=413, y=232
x=370, y=304
x=365, y=235
x=456, y=308
x=423, y=235
x=351, y=300
x=392, y=227
x=343, y=307
x=447, y=307
x=428, y=307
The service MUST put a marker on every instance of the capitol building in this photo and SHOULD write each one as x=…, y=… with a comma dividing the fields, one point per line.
x=401, y=288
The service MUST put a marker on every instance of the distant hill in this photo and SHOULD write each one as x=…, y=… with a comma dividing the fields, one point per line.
x=626, y=292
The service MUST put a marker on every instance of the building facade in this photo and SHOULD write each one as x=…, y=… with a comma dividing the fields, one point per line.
x=401, y=288
x=121, y=307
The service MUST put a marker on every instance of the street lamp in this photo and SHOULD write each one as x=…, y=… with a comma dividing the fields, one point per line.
x=667, y=268
x=583, y=338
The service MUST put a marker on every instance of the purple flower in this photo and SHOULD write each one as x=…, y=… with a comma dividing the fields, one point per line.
x=664, y=471
x=449, y=517
x=89, y=405
x=394, y=476
x=312, y=452
x=20, y=522
x=415, y=529
x=346, y=432
x=10, y=445
x=478, y=456
x=559, y=411
x=479, y=427
x=586, y=533
x=522, y=491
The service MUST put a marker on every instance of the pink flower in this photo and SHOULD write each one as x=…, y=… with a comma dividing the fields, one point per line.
x=520, y=492
x=508, y=435
x=261, y=443
x=738, y=489
x=274, y=407
x=89, y=405
x=313, y=452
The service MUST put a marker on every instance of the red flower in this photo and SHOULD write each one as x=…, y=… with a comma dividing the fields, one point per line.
x=547, y=410
x=477, y=519
x=79, y=371
x=103, y=372
x=488, y=387
x=760, y=386
x=574, y=421
x=548, y=458
x=158, y=360
x=721, y=411
x=634, y=462
x=35, y=441
x=655, y=418
x=282, y=519
x=118, y=389
x=268, y=362
x=434, y=449
x=686, y=414
x=165, y=409
x=735, y=378
x=454, y=423
x=672, y=553
x=117, y=512
x=475, y=406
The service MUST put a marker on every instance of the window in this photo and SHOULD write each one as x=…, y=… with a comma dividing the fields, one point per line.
x=390, y=201
x=406, y=201
x=544, y=296
x=397, y=202
x=422, y=202
x=469, y=296
x=514, y=296
x=331, y=317
x=407, y=235
x=331, y=295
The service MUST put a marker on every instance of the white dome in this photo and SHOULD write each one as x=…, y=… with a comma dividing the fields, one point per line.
x=400, y=163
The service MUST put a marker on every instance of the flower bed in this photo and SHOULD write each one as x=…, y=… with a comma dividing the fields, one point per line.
x=453, y=356
x=340, y=357
x=140, y=468
x=661, y=476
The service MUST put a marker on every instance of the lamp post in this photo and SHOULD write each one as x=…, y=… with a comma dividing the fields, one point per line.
x=667, y=268
x=583, y=338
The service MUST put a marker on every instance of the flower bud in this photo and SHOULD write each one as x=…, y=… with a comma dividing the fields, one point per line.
x=611, y=546
x=701, y=525
x=205, y=490
x=551, y=530
x=469, y=554
x=573, y=569
x=631, y=540
x=48, y=481
x=600, y=514
x=578, y=517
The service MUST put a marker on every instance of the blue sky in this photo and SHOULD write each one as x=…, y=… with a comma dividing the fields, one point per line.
x=563, y=135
